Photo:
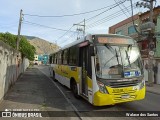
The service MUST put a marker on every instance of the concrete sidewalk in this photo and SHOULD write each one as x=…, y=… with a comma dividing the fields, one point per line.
x=155, y=88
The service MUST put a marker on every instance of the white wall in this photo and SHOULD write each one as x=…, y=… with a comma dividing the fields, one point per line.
x=11, y=66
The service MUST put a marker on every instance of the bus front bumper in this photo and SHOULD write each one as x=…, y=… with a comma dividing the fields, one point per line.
x=101, y=99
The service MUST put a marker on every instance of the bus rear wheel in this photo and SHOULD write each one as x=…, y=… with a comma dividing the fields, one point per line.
x=75, y=89
x=54, y=79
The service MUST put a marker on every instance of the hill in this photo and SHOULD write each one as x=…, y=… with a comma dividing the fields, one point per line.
x=42, y=46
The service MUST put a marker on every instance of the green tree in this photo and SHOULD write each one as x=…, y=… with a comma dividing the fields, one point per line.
x=25, y=47
x=8, y=38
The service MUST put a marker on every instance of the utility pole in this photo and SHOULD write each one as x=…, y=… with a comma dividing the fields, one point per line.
x=19, y=29
x=150, y=26
x=84, y=28
x=78, y=29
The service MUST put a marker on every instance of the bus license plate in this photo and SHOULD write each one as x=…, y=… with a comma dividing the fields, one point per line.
x=126, y=96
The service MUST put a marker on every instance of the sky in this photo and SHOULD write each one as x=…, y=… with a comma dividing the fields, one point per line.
x=56, y=20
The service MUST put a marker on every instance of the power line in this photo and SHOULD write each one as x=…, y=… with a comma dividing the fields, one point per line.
x=31, y=23
x=69, y=38
x=115, y=5
x=120, y=2
x=91, y=18
x=70, y=15
x=104, y=20
x=121, y=8
x=98, y=22
x=126, y=8
x=66, y=32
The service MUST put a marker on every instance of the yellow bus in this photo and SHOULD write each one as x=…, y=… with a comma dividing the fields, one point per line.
x=104, y=69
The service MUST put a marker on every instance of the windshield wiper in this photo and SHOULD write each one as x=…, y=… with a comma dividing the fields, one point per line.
x=128, y=58
x=116, y=55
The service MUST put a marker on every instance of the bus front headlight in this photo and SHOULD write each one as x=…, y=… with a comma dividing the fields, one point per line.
x=102, y=88
x=142, y=84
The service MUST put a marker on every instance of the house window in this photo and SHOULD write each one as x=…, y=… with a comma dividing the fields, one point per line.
x=119, y=32
x=131, y=30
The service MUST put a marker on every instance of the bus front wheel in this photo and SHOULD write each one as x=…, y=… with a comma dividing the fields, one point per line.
x=75, y=89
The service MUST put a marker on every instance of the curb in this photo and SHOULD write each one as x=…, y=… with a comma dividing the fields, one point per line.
x=153, y=92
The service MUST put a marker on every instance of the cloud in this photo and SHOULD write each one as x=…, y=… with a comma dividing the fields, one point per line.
x=78, y=5
x=98, y=29
x=10, y=9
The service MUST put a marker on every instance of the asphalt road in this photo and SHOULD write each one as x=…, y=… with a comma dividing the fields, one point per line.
x=150, y=104
x=35, y=89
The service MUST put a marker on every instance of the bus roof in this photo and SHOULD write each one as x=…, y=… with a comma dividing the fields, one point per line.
x=89, y=38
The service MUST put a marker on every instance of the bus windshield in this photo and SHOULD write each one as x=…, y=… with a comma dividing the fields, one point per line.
x=114, y=62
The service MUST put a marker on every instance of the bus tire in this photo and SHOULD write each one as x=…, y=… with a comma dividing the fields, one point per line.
x=75, y=89
x=54, y=79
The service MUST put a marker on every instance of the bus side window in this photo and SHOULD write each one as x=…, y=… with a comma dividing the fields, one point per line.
x=65, y=57
x=50, y=59
x=55, y=59
x=59, y=57
x=73, y=56
x=62, y=54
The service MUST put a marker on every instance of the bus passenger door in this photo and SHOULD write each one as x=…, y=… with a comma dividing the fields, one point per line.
x=83, y=63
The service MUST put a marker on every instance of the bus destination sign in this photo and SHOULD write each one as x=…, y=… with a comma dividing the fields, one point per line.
x=115, y=40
